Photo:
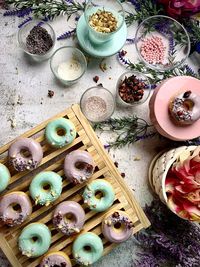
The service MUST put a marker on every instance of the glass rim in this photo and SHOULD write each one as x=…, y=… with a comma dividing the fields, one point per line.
x=103, y=33
x=98, y=88
x=68, y=47
x=33, y=22
x=147, y=81
x=151, y=66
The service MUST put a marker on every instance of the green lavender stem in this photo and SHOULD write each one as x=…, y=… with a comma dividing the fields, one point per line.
x=128, y=130
x=48, y=8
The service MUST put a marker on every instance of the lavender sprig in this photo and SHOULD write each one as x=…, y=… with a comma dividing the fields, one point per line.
x=13, y=12
x=67, y=35
x=49, y=8
x=24, y=22
x=128, y=130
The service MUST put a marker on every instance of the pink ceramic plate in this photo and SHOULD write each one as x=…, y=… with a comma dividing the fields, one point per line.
x=159, y=103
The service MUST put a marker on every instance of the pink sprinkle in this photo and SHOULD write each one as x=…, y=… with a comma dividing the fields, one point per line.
x=152, y=50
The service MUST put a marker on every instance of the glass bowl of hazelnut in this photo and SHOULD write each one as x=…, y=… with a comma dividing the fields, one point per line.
x=133, y=88
x=104, y=18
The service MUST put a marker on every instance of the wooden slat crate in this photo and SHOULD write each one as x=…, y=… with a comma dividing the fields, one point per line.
x=53, y=160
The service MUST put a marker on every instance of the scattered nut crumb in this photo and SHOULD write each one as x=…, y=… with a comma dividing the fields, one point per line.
x=95, y=79
x=100, y=85
x=123, y=175
x=137, y=158
x=12, y=122
x=110, y=78
x=19, y=100
x=123, y=53
x=103, y=66
x=116, y=164
x=50, y=93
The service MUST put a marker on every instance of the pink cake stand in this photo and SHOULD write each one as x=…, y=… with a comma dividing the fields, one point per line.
x=159, y=104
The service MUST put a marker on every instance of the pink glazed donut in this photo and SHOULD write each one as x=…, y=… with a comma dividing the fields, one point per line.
x=78, y=166
x=21, y=162
x=69, y=217
x=117, y=227
x=15, y=207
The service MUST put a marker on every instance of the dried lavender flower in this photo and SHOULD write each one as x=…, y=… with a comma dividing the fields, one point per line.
x=169, y=241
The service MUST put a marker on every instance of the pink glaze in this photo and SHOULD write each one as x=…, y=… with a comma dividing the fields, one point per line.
x=8, y=215
x=78, y=175
x=159, y=105
x=111, y=233
x=55, y=259
x=20, y=162
x=77, y=217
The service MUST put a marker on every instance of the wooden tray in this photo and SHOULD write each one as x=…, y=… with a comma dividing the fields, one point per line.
x=53, y=160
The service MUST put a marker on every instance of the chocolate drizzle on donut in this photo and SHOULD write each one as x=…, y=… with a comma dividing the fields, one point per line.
x=65, y=229
x=118, y=218
x=20, y=165
x=11, y=222
x=48, y=263
x=87, y=170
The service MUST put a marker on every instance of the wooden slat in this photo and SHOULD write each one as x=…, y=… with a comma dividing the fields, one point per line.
x=53, y=161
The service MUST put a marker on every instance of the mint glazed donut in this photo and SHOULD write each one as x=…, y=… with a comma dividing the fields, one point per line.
x=34, y=240
x=19, y=159
x=60, y=132
x=69, y=217
x=99, y=195
x=46, y=187
x=15, y=207
x=4, y=177
x=56, y=259
x=87, y=249
x=117, y=227
x=78, y=166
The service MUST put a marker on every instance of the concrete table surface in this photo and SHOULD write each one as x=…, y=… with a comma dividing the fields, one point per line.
x=24, y=103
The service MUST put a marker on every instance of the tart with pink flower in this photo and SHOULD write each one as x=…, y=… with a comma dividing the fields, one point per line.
x=182, y=186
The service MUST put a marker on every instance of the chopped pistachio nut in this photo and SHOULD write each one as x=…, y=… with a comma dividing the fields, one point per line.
x=103, y=21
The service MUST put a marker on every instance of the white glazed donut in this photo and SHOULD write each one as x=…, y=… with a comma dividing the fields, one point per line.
x=185, y=108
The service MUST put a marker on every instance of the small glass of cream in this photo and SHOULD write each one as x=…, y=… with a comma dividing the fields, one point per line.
x=68, y=64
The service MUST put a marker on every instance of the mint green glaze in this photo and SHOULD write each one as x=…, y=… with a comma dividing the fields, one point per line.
x=4, y=177
x=87, y=257
x=99, y=204
x=46, y=179
x=36, y=248
x=56, y=140
x=106, y=49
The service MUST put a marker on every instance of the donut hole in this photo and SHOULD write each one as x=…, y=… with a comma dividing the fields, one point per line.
x=46, y=187
x=69, y=218
x=117, y=225
x=61, y=131
x=25, y=153
x=35, y=239
x=16, y=207
x=87, y=248
x=99, y=194
x=188, y=104
x=80, y=165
